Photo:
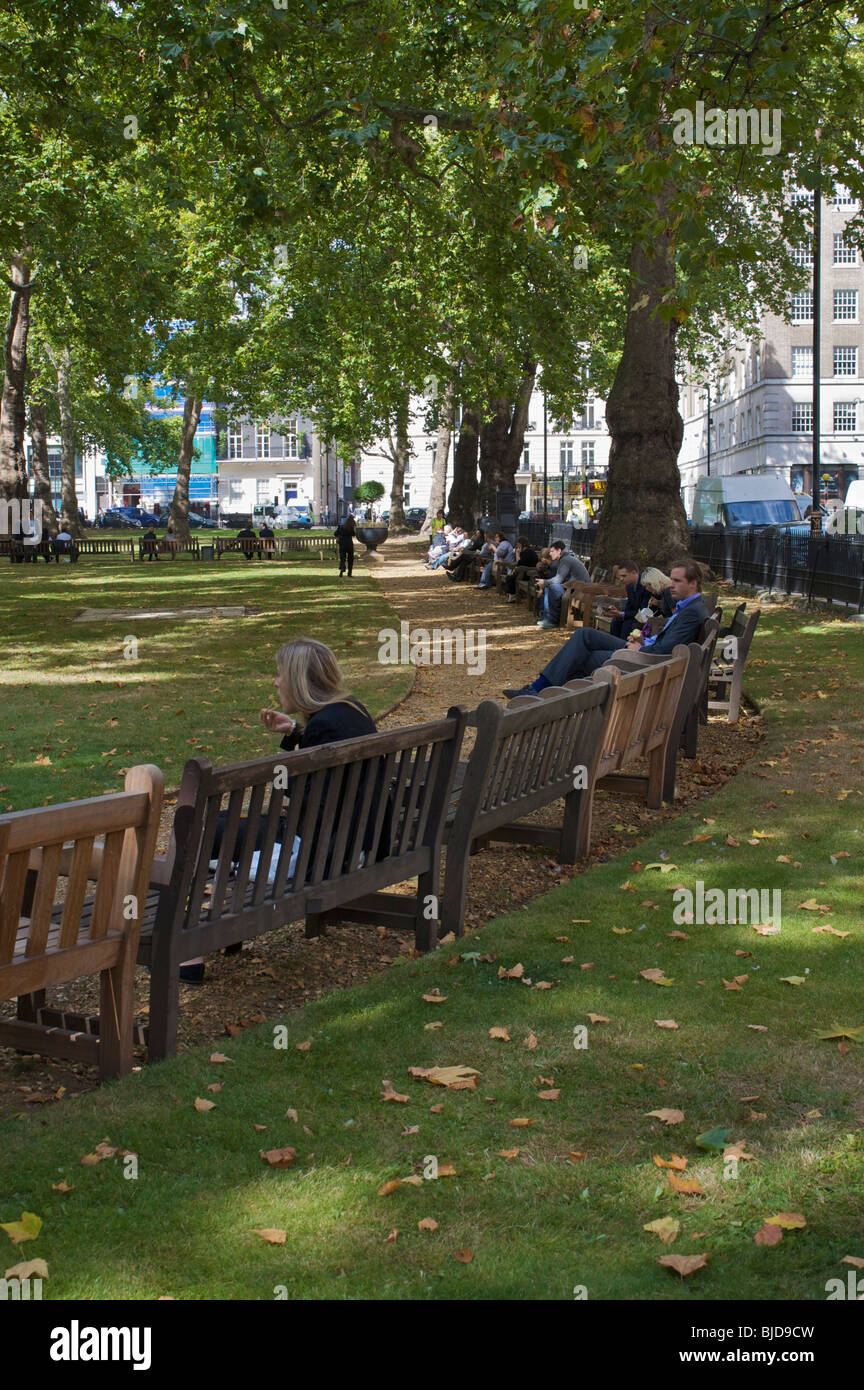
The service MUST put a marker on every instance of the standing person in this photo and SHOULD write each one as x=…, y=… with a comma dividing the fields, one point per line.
x=345, y=534
x=565, y=566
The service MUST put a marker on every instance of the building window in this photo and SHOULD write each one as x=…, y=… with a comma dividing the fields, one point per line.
x=845, y=417
x=721, y=436
x=802, y=254
x=290, y=437
x=802, y=361
x=758, y=420
x=801, y=195
x=802, y=307
x=732, y=433
x=844, y=254
x=757, y=367
x=741, y=432
x=842, y=197
x=262, y=441
x=526, y=458
x=587, y=455
x=566, y=455
x=235, y=442
x=749, y=424
x=263, y=495
x=586, y=419
x=845, y=306
x=802, y=418
x=845, y=361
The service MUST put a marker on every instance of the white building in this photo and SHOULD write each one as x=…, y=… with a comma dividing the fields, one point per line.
x=762, y=403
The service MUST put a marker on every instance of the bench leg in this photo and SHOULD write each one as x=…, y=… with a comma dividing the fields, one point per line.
x=569, y=849
x=116, y=1012
x=29, y=1005
x=656, y=779
x=690, y=736
x=316, y=925
x=735, y=696
x=428, y=919
x=165, y=961
x=455, y=890
x=582, y=833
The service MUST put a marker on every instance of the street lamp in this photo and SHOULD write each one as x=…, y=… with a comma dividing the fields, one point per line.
x=708, y=413
x=816, y=513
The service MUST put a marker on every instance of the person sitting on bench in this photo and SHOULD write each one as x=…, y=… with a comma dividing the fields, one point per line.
x=504, y=552
x=587, y=648
x=565, y=566
x=526, y=559
x=623, y=618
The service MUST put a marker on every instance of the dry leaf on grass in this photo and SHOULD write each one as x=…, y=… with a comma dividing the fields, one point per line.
x=515, y=974
x=666, y=1227
x=436, y=1109
x=434, y=997
x=428, y=1223
x=530, y=1042
x=758, y=1027
x=262, y=1129
x=278, y=1158
x=27, y=1228
x=597, y=1018
x=548, y=1095
x=392, y=1236
x=454, y=1078
x=665, y=1023
x=846, y=1260
x=63, y=1186
x=389, y=1094
x=303, y=1046
x=676, y=1162
x=789, y=1220
x=669, y=1117
x=218, y=1057
x=291, y=1114
x=768, y=1235
x=389, y=1186
x=431, y=1027
x=684, y=1264
x=500, y=1034
x=832, y=931
x=738, y=1151
x=463, y=1256
x=520, y=1122
x=410, y=1129
x=686, y=1186
x=764, y=930
x=509, y=1153
x=204, y=1105
x=272, y=1235
x=30, y=1269
x=576, y=1156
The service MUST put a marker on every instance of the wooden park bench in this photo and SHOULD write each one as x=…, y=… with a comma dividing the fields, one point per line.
x=43, y=943
x=730, y=658
x=292, y=545
x=172, y=546
x=369, y=813
x=249, y=546
x=106, y=545
x=579, y=596
x=524, y=757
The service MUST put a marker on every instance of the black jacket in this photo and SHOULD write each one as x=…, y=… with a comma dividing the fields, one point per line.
x=683, y=628
x=332, y=724
x=637, y=597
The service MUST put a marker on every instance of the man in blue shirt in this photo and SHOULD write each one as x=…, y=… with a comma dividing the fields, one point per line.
x=587, y=649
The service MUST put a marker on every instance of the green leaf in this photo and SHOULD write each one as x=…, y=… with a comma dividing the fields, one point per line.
x=714, y=1139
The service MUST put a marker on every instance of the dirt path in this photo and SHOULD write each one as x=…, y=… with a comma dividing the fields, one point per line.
x=283, y=970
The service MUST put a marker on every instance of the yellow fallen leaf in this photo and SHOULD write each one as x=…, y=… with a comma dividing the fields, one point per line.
x=202, y=1105
x=665, y=1023
x=389, y=1186
x=623, y=931
x=811, y=905
x=792, y=979
x=520, y=1122
x=686, y=1186
x=428, y=1223
x=389, y=1094
x=30, y=1269
x=413, y=1180
x=454, y=1078
x=27, y=1228
x=684, y=1264
x=432, y=1027
x=515, y=973
x=446, y=1170
x=500, y=1034
x=832, y=931
x=548, y=1095
x=218, y=1057
x=509, y=1153
x=666, y=1227
x=434, y=997
x=597, y=1018
x=676, y=1162
x=669, y=1117
x=272, y=1235
x=63, y=1186
x=789, y=1220
x=765, y=929
x=738, y=1151
x=530, y=1042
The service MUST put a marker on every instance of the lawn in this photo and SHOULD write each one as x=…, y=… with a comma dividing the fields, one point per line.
x=556, y=1206
x=78, y=711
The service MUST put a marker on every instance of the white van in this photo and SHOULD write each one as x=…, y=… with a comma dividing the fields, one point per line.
x=855, y=494
x=745, y=499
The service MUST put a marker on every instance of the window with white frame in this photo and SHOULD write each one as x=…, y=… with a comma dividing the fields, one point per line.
x=758, y=420
x=289, y=434
x=566, y=455
x=263, y=493
x=802, y=361
x=262, y=440
x=802, y=418
x=802, y=254
x=802, y=307
x=586, y=419
x=841, y=198
x=587, y=454
x=845, y=417
x=801, y=195
x=845, y=361
x=845, y=306
x=237, y=489
x=235, y=441
x=757, y=367
x=721, y=436
x=844, y=253
x=526, y=457
x=742, y=435
x=732, y=433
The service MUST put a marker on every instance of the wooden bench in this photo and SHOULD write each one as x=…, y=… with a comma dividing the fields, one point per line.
x=369, y=814
x=106, y=545
x=579, y=596
x=169, y=545
x=730, y=658
x=249, y=546
x=43, y=944
x=524, y=757
x=293, y=545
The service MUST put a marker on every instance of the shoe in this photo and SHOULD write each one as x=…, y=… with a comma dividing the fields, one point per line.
x=482, y=586
x=512, y=694
x=192, y=974
x=545, y=623
x=512, y=599
x=449, y=576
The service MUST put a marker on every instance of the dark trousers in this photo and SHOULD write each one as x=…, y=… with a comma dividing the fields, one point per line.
x=346, y=557
x=581, y=654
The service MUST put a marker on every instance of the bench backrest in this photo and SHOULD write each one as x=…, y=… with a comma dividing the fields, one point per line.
x=364, y=809
x=525, y=755
x=742, y=629
x=35, y=850
x=645, y=704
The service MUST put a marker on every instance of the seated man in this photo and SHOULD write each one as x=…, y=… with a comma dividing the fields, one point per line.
x=637, y=597
x=247, y=538
x=587, y=649
x=457, y=566
x=503, y=551
x=565, y=566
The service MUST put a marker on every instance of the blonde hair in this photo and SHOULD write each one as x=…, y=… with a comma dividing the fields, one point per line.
x=655, y=579
x=312, y=675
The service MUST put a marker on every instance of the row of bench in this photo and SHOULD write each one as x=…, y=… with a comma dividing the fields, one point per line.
x=142, y=549
x=361, y=816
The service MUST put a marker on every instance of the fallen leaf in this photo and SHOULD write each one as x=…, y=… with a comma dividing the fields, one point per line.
x=63, y=1186
x=676, y=1162
x=413, y=1180
x=758, y=1115
x=515, y=974
x=765, y=929
x=789, y=1220
x=597, y=1018
x=678, y=935
x=686, y=1186
x=768, y=1235
x=436, y=1109
x=262, y=1129
x=446, y=1170
x=509, y=1153
x=544, y=984
x=655, y=975
x=813, y=1115
x=838, y=1031
x=272, y=1235
x=666, y=1227
x=846, y=1260
x=303, y=1046
x=27, y=1228
x=669, y=1117
x=530, y=1042
x=203, y=1105
x=389, y=1186
x=792, y=979
x=520, y=1122
x=730, y=840
x=623, y=931
x=392, y=1236
x=389, y=1094
x=832, y=931
x=738, y=1151
x=432, y=1027
x=576, y=1156
x=500, y=1034
x=548, y=1095
x=278, y=1158
x=454, y=1078
x=811, y=905
x=684, y=1264
x=291, y=1114
x=758, y=1027
x=427, y=1223
x=30, y=1269
x=665, y=1023
x=463, y=1256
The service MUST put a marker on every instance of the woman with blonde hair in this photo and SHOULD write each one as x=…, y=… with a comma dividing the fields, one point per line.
x=315, y=708
x=658, y=584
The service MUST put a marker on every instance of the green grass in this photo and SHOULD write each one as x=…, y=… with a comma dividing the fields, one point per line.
x=77, y=712
x=539, y=1224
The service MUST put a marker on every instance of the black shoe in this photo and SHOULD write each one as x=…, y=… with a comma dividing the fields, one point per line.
x=192, y=974
x=526, y=690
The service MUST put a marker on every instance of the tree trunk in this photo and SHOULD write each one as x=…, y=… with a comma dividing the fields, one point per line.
x=179, y=515
x=68, y=496
x=463, y=504
x=438, y=490
x=643, y=515
x=41, y=475
x=13, y=411
x=502, y=439
x=400, y=454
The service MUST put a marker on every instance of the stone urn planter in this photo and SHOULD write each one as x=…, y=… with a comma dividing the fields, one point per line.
x=372, y=536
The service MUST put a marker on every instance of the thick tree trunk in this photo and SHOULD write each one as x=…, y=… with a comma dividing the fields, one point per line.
x=502, y=439
x=643, y=515
x=68, y=496
x=400, y=454
x=438, y=490
x=179, y=515
x=41, y=475
x=462, y=506
x=13, y=410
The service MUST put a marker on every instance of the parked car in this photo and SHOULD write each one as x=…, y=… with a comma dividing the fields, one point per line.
x=125, y=518
x=197, y=520
x=295, y=519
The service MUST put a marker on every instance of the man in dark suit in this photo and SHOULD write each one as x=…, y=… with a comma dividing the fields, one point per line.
x=587, y=649
x=637, y=597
